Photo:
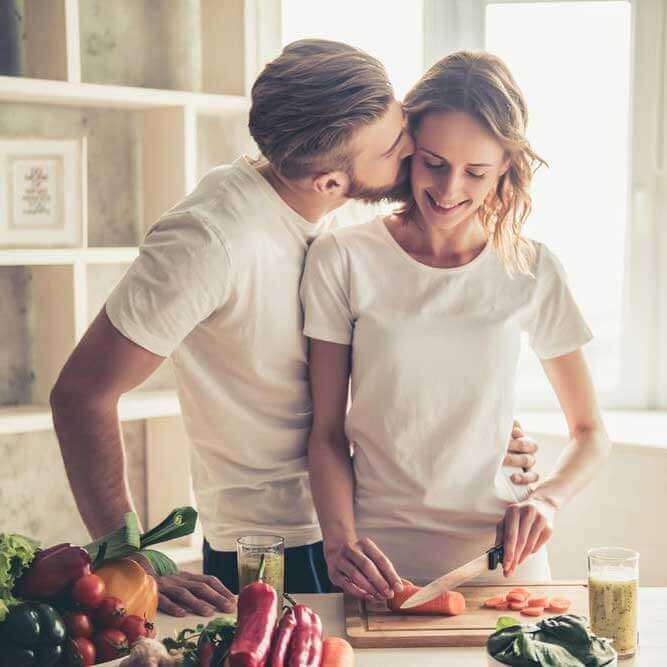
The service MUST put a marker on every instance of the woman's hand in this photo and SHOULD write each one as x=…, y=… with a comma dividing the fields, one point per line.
x=361, y=569
x=525, y=528
x=521, y=454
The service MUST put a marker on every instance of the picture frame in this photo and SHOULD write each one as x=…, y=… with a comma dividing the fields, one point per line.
x=42, y=192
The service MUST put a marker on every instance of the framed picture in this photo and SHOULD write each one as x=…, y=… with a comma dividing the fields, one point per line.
x=41, y=192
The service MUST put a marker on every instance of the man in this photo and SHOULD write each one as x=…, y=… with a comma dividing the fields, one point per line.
x=216, y=288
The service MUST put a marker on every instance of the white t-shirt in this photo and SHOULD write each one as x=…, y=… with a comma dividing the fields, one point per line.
x=216, y=286
x=434, y=357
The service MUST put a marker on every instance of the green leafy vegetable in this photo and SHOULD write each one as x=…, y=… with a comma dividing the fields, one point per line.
x=16, y=554
x=161, y=563
x=506, y=622
x=122, y=542
x=559, y=641
x=219, y=632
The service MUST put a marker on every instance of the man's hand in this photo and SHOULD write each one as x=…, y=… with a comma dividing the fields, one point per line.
x=186, y=593
x=520, y=454
x=361, y=569
x=524, y=529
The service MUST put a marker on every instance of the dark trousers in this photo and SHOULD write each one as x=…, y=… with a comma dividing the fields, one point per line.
x=305, y=569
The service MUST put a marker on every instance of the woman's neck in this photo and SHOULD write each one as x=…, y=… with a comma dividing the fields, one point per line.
x=442, y=248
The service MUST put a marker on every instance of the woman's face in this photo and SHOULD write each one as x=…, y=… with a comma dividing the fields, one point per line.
x=457, y=162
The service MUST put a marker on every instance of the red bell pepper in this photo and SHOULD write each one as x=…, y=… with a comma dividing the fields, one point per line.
x=257, y=616
x=282, y=639
x=302, y=639
x=53, y=571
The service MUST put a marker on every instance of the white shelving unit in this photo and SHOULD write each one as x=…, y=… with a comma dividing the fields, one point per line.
x=196, y=119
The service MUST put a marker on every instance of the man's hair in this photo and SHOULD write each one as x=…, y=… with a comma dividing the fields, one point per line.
x=309, y=102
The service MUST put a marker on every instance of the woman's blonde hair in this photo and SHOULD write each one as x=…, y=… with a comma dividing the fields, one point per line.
x=481, y=85
x=308, y=103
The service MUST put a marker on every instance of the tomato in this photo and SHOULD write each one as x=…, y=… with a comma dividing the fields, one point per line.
x=110, y=644
x=80, y=652
x=78, y=624
x=88, y=591
x=110, y=614
x=134, y=627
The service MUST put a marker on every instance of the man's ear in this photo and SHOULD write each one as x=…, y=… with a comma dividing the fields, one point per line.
x=331, y=184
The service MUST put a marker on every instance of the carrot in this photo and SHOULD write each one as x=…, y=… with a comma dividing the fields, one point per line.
x=516, y=597
x=523, y=591
x=503, y=606
x=532, y=611
x=491, y=603
x=451, y=603
x=336, y=652
x=517, y=606
x=559, y=605
x=537, y=602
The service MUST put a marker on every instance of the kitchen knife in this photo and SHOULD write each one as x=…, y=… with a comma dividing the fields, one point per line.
x=487, y=561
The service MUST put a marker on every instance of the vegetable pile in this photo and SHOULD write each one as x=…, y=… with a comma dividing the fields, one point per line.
x=559, y=641
x=260, y=638
x=72, y=606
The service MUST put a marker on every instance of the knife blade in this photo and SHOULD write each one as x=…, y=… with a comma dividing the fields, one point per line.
x=487, y=561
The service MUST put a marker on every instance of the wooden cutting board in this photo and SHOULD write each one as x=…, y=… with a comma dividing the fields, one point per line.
x=372, y=625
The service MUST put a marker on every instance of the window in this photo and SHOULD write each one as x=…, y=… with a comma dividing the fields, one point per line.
x=390, y=30
x=572, y=61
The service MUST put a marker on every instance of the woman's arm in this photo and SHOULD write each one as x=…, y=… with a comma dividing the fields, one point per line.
x=527, y=525
x=356, y=565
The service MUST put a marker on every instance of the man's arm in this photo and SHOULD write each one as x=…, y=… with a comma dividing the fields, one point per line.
x=84, y=400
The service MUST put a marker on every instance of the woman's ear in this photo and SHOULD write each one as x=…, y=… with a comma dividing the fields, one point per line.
x=331, y=184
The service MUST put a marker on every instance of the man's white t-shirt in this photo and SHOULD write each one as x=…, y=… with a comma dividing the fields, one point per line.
x=434, y=357
x=216, y=287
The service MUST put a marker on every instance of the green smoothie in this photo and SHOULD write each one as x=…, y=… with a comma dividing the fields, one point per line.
x=274, y=571
x=612, y=597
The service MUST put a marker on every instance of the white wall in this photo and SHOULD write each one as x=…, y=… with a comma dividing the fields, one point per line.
x=624, y=505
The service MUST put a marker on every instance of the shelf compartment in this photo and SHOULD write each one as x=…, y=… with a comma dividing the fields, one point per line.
x=133, y=406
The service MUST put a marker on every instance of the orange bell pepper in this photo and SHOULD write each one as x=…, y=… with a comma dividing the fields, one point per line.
x=128, y=581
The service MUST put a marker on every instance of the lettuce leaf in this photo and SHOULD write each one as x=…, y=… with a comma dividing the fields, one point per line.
x=16, y=554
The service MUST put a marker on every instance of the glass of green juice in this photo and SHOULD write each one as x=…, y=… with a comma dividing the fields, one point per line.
x=262, y=555
x=613, y=582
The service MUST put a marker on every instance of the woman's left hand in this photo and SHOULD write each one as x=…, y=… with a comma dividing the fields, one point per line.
x=524, y=529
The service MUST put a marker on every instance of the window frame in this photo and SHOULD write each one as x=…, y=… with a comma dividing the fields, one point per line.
x=450, y=25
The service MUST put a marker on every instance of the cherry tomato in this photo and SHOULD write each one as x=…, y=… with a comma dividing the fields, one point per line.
x=135, y=627
x=80, y=652
x=110, y=644
x=78, y=624
x=88, y=591
x=110, y=613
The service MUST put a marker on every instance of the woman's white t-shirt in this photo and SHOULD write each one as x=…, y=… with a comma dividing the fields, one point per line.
x=434, y=357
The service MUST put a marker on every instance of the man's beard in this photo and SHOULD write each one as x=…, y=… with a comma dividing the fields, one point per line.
x=398, y=192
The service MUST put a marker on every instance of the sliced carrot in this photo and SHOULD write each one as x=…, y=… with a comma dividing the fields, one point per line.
x=336, y=652
x=524, y=591
x=451, y=603
x=491, y=603
x=537, y=602
x=503, y=606
x=517, y=606
x=516, y=597
x=559, y=605
x=532, y=611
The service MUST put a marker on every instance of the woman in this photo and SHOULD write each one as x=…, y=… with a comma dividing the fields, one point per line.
x=425, y=309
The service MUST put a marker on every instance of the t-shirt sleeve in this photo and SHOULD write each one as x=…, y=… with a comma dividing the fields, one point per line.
x=180, y=277
x=553, y=320
x=325, y=293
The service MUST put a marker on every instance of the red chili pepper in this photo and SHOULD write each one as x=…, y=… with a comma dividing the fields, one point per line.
x=282, y=639
x=53, y=571
x=302, y=638
x=257, y=616
x=315, y=655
